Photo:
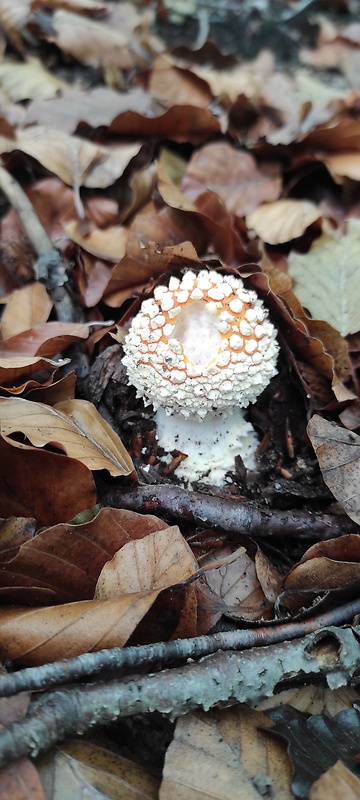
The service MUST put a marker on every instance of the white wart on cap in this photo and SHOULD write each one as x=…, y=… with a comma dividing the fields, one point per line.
x=201, y=345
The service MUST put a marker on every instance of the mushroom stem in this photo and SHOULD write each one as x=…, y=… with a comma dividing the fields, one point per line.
x=210, y=444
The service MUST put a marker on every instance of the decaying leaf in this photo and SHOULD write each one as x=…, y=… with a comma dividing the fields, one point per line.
x=25, y=307
x=338, y=453
x=45, y=486
x=326, y=278
x=338, y=783
x=92, y=769
x=223, y=755
x=75, y=426
x=37, y=635
x=283, y=220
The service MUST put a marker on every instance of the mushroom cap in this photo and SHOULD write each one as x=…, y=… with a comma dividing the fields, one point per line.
x=203, y=344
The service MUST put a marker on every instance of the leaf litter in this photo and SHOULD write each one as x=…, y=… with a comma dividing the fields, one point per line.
x=141, y=160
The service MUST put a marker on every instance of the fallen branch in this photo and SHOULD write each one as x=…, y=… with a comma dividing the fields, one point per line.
x=232, y=516
x=129, y=658
x=51, y=267
x=224, y=677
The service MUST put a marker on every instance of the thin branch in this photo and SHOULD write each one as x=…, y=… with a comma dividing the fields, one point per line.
x=232, y=516
x=51, y=267
x=224, y=677
x=130, y=658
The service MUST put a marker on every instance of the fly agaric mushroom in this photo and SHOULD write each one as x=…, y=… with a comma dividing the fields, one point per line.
x=201, y=350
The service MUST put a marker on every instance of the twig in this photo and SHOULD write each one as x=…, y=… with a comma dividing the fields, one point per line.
x=243, y=677
x=127, y=658
x=51, y=267
x=232, y=516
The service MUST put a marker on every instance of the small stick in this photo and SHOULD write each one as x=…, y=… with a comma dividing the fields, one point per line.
x=223, y=677
x=232, y=516
x=127, y=658
x=51, y=267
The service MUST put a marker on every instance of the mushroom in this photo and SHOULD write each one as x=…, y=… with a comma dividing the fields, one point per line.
x=200, y=351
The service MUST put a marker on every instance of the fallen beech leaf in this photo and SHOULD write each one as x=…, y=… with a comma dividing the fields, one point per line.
x=74, y=426
x=325, y=349
x=155, y=562
x=233, y=175
x=94, y=42
x=13, y=19
x=46, y=486
x=14, y=531
x=312, y=699
x=20, y=779
x=18, y=373
x=326, y=280
x=324, y=567
x=67, y=558
x=237, y=587
x=28, y=81
x=46, y=339
x=338, y=783
x=167, y=82
x=223, y=755
x=89, y=769
x=25, y=308
x=35, y=636
x=108, y=244
x=338, y=453
x=283, y=220
x=81, y=6
x=78, y=162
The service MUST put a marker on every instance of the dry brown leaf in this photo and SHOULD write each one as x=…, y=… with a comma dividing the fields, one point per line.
x=28, y=81
x=167, y=82
x=108, y=244
x=75, y=426
x=13, y=18
x=88, y=769
x=237, y=587
x=232, y=174
x=19, y=780
x=35, y=636
x=326, y=279
x=22, y=373
x=155, y=562
x=338, y=783
x=283, y=220
x=81, y=6
x=338, y=453
x=45, y=486
x=63, y=563
x=78, y=162
x=25, y=308
x=14, y=531
x=95, y=43
x=46, y=340
x=223, y=755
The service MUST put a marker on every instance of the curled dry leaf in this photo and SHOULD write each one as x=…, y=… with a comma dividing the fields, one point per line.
x=35, y=636
x=326, y=278
x=324, y=348
x=232, y=174
x=25, y=308
x=154, y=562
x=45, y=339
x=338, y=453
x=62, y=564
x=46, y=486
x=28, y=81
x=237, y=587
x=324, y=567
x=21, y=373
x=283, y=220
x=94, y=770
x=338, y=783
x=77, y=162
x=75, y=426
x=224, y=754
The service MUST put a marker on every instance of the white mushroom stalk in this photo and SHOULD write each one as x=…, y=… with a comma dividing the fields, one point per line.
x=200, y=350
